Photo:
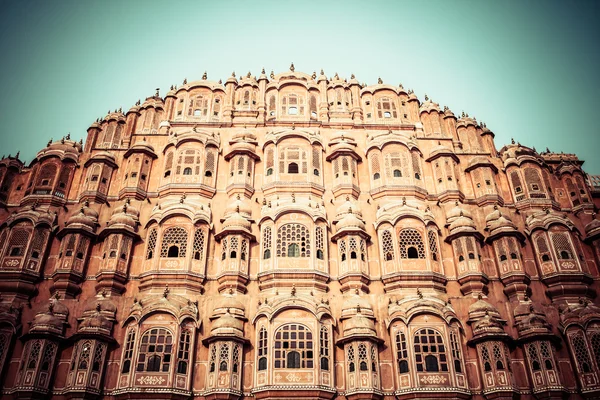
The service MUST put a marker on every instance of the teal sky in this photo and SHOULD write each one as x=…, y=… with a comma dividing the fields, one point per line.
x=529, y=69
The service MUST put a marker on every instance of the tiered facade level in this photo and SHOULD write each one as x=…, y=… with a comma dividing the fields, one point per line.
x=297, y=237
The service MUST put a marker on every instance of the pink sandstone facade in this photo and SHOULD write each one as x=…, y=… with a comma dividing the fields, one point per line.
x=295, y=236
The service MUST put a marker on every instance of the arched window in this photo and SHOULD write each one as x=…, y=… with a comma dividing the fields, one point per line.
x=516, y=182
x=151, y=243
x=375, y=165
x=199, y=242
x=213, y=358
x=582, y=355
x=362, y=357
x=168, y=164
x=534, y=183
x=594, y=338
x=85, y=350
x=188, y=162
x=319, y=242
x=19, y=238
x=269, y=171
x=456, y=351
x=324, y=347
x=412, y=252
x=433, y=244
x=183, y=354
x=266, y=240
x=292, y=168
x=173, y=252
x=128, y=352
x=155, y=354
x=293, y=240
x=293, y=347
x=224, y=357
x=386, y=108
x=262, y=349
x=562, y=246
x=387, y=245
x=411, y=244
x=293, y=250
x=174, y=242
x=542, y=247
x=401, y=353
x=351, y=359
x=397, y=173
x=429, y=351
x=210, y=165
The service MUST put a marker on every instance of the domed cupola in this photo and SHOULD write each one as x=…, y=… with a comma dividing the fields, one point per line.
x=40, y=350
x=492, y=344
x=93, y=337
x=592, y=229
x=344, y=158
x=360, y=343
x=76, y=241
x=466, y=242
x=486, y=321
x=429, y=106
x=118, y=238
x=235, y=238
x=225, y=345
x=349, y=219
x=238, y=205
x=85, y=219
x=351, y=238
x=498, y=223
x=124, y=218
x=98, y=318
x=50, y=321
x=460, y=222
x=532, y=322
x=242, y=160
x=63, y=149
x=356, y=304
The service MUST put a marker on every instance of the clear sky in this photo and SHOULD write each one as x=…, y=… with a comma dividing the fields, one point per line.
x=529, y=69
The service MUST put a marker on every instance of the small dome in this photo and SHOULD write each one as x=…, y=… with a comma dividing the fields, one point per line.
x=239, y=205
x=429, y=106
x=350, y=221
x=593, y=227
x=142, y=145
x=86, y=216
x=343, y=145
x=236, y=221
x=348, y=207
x=359, y=325
x=481, y=307
x=458, y=211
x=127, y=215
x=498, y=221
x=228, y=301
x=96, y=322
x=439, y=149
x=355, y=305
x=227, y=321
x=47, y=321
x=245, y=146
x=102, y=304
x=461, y=222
